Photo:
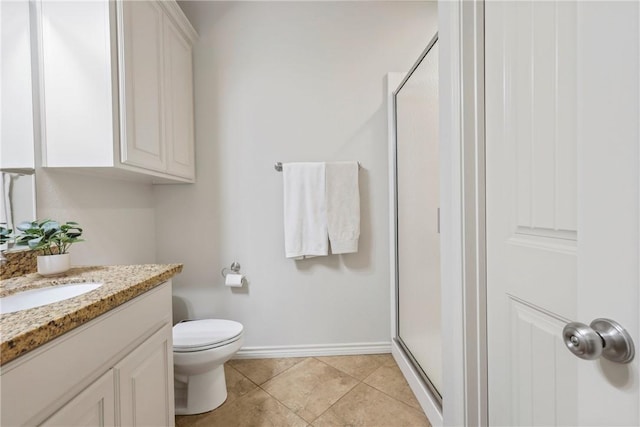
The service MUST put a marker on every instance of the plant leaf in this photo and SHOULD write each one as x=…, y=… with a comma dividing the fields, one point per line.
x=24, y=225
x=50, y=225
x=34, y=243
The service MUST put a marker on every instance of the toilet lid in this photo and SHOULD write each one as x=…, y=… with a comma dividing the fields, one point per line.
x=206, y=333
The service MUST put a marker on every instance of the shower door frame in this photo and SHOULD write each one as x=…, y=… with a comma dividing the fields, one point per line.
x=437, y=396
x=461, y=110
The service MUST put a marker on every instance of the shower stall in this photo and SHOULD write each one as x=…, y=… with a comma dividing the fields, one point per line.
x=415, y=170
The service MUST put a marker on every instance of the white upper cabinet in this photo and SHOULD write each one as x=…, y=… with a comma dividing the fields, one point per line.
x=76, y=84
x=141, y=89
x=117, y=88
x=16, y=106
x=178, y=85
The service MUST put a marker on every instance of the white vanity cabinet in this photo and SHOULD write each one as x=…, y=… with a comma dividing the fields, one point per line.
x=94, y=406
x=116, y=369
x=117, y=88
x=145, y=377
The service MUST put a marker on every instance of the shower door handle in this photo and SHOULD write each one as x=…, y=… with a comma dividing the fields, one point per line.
x=603, y=337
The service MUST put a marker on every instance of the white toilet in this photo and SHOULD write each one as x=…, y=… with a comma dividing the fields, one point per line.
x=200, y=348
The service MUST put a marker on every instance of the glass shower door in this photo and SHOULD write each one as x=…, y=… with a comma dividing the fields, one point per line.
x=417, y=213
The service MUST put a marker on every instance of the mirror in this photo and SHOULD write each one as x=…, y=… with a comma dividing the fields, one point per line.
x=418, y=216
x=17, y=152
x=18, y=198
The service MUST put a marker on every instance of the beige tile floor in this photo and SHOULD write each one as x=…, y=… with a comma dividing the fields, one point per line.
x=365, y=390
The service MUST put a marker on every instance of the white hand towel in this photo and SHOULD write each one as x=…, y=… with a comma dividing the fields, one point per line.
x=305, y=213
x=343, y=206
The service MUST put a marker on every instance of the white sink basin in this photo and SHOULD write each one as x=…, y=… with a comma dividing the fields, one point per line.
x=43, y=296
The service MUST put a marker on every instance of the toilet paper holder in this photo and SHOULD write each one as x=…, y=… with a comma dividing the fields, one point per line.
x=235, y=268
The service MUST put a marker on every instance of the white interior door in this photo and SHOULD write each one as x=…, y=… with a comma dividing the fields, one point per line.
x=562, y=139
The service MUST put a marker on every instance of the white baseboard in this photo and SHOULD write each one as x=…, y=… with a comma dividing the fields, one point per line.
x=313, y=350
x=427, y=401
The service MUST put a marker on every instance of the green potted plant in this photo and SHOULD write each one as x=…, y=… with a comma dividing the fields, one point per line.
x=5, y=234
x=53, y=239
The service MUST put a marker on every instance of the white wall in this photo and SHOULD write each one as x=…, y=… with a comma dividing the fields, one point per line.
x=287, y=81
x=118, y=217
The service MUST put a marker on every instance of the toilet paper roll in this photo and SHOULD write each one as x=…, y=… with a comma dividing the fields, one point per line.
x=234, y=280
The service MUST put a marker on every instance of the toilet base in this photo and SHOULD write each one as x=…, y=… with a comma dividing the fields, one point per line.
x=200, y=393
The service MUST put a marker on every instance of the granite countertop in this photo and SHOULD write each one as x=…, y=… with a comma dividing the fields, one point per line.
x=25, y=330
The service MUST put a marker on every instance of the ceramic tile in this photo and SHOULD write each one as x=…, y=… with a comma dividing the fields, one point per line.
x=387, y=360
x=389, y=380
x=191, y=420
x=310, y=387
x=261, y=370
x=358, y=366
x=366, y=406
x=237, y=384
x=255, y=409
x=311, y=391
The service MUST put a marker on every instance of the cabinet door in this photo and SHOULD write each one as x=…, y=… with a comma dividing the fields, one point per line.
x=141, y=80
x=94, y=406
x=76, y=83
x=178, y=102
x=145, y=378
x=16, y=114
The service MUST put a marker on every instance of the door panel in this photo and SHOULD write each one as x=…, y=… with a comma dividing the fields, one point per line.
x=537, y=352
x=94, y=406
x=179, y=102
x=145, y=378
x=562, y=206
x=141, y=80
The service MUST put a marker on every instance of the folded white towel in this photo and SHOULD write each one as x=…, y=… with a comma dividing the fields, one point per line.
x=305, y=213
x=343, y=206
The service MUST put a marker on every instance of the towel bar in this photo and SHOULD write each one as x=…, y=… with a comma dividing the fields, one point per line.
x=278, y=166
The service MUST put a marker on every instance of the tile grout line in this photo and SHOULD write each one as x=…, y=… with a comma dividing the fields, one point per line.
x=259, y=387
x=338, y=369
x=397, y=400
x=336, y=402
x=278, y=400
x=394, y=398
x=276, y=375
x=310, y=423
x=381, y=391
x=346, y=373
x=343, y=396
x=280, y=373
x=362, y=381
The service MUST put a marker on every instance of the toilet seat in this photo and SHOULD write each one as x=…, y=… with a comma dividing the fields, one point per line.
x=199, y=335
